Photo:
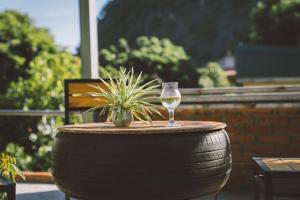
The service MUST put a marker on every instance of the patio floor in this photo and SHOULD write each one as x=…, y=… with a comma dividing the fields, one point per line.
x=28, y=191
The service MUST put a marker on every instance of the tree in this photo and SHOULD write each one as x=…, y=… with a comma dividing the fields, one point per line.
x=44, y=89
x=20, y=42
x=206, y=29
x=157, y=58
x=275, y=22
x=32, y=77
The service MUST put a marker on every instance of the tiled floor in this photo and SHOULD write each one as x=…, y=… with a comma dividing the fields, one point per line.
x=26, y=191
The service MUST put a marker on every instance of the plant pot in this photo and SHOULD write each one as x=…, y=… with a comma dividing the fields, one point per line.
x=122, y=118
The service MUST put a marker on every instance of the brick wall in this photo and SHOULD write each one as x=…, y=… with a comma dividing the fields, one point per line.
x=253, y=132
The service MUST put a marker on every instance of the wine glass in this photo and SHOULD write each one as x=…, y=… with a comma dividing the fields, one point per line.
x=170, y=98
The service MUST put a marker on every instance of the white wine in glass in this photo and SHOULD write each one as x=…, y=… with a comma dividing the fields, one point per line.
x=170, y=99
x=170, y=103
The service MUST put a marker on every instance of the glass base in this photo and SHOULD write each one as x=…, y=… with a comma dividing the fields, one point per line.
x=172, y=124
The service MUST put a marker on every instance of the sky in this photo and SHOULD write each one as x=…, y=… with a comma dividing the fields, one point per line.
x=61, y=17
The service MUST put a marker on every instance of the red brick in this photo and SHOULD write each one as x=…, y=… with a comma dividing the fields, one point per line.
x=273, y=139
x=258, y=150
x=288, y=130
x=234, y=138
x=185, y=114
x=287, y=151
x=237, y=153
x=296, y=140
x=241, y=177
x=241, y=168
x=285, y=122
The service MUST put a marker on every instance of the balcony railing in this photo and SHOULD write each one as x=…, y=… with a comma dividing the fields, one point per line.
x=33, y=113
x=286, y=95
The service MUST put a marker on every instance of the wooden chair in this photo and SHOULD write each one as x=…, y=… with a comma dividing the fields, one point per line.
x=9, y=187
x=77, y=97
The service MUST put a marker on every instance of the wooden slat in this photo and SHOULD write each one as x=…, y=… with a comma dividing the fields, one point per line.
x=83, y=88
x=85, y=101
x=236, y=90
x=275, y=164
x=284, y=80
x=292, y=163
x=242, y=98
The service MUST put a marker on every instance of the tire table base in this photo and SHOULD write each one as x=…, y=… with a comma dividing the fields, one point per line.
x=90, y=161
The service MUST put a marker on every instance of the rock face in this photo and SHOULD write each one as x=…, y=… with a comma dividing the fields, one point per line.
x=205, y=28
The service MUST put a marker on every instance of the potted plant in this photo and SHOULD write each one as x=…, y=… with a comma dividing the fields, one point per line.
x=8, y=171
x=126, y=98
x=272, y=48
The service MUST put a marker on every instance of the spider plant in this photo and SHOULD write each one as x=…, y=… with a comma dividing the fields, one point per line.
x=126, y=96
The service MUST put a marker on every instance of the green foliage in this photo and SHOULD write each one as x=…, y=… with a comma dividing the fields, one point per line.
x=41, y=143
x=157, y=58
x=20, y=42
x=36, y=155
x=127, y=93
x=45, y=85
x=104, y=71
x=8, y=167
x=24, y=159
x=276, y=22
x=42, y=90
x=212, y=76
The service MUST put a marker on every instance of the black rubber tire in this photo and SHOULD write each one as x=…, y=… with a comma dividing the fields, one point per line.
x=169, y=166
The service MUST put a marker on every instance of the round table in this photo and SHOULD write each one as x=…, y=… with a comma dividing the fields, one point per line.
x=100, y=161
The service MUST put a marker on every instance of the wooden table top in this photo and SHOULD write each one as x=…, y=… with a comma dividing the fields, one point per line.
x=158, y=127
x=279, y=164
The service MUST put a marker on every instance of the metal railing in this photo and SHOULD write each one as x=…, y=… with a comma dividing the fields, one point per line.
x=32, y=113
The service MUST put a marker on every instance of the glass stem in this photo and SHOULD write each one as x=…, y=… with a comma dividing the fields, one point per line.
x=171, y=116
